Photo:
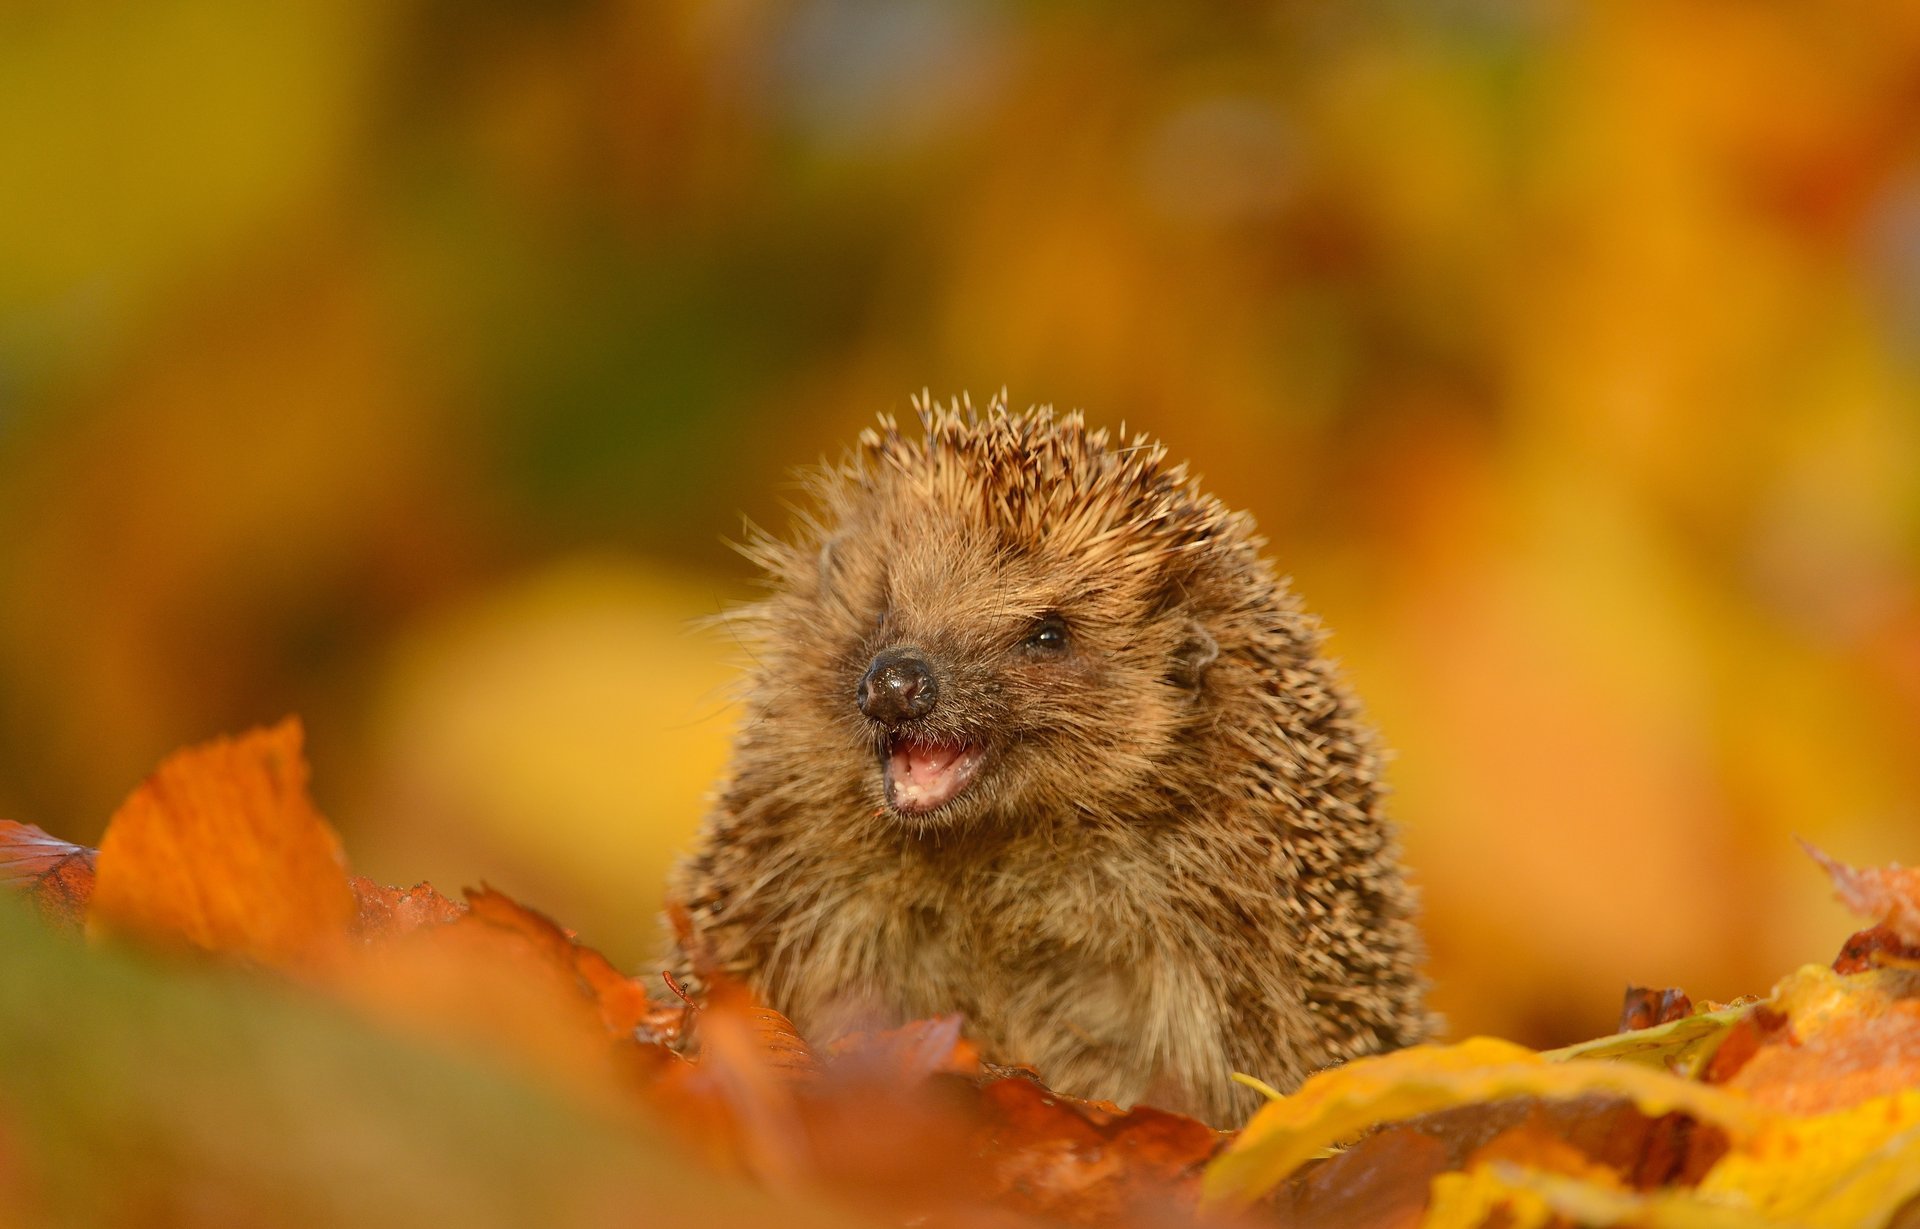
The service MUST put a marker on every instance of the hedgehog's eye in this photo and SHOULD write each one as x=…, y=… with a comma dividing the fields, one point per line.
x=1048, y=637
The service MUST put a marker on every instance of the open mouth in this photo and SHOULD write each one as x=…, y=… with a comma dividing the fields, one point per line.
x=925, y=776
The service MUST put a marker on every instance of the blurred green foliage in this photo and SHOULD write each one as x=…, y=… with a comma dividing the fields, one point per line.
x=142, y=1094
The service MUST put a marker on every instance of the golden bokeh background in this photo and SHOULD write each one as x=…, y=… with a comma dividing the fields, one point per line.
x=404, y=364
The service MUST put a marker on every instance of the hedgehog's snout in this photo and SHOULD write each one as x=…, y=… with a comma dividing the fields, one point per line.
x=898, y=687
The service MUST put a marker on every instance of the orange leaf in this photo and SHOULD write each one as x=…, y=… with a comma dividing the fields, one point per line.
x=739, y=1103
x=222, y=849
x=776, y=1046
x=622, y=1001
x=1088, y=1162
x=56, y=875
x=501, y=979
x=1849, y=1039
x=625, y=1007
x=1889, y=894
x=386, y=911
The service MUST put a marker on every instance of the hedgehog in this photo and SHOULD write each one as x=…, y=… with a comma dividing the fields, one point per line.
x=1034, y=734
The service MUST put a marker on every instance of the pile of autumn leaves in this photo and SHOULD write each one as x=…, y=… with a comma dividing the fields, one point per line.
x=1800, y=1109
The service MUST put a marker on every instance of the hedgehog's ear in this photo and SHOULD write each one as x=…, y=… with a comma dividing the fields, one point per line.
x=1175, y=595
x=1191, y=657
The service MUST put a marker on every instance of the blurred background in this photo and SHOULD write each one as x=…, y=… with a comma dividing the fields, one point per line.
x=404, y=365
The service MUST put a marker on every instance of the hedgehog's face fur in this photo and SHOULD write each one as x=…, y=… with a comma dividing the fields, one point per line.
x=995, y=621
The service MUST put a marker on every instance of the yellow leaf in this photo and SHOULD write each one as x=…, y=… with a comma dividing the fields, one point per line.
x=1468, y=1200
x=1338, y=1104
x=1856, y=1166
x=1528, y=1198
x=1682, y=1045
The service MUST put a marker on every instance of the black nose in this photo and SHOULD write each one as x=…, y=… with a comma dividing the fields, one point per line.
x=897, y=687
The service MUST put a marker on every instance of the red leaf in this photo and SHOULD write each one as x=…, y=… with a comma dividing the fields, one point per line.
x=1644, y=1007
x=1381, y=1183
x=1088, y=1162
x=1873, y=947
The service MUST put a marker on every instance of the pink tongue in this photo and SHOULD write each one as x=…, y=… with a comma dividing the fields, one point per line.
x=922, y=776
x=924, y=762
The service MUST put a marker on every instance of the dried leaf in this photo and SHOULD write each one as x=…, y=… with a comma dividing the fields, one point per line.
x=1532, y=1145
x=1642, y=1150
x=622, y=1001
x=1089, y=1162
x=385, y=911
x=1516, y=1197
x=56, y=875
x=142, y=1093
x=740, y=1103
x=1684, y=1045
x=1890, y=895
x=1876, y=947
x=909, y=1053
x=502, y=980
x=1847, y=1039
x=222, y=849
x=1644, y=1007
x=1381, y=1183
x=785, y=1052
x=1338, y=1104
x=1856, y=1166
x=625, y=1007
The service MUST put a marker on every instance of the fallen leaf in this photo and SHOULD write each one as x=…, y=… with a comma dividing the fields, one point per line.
x=502, y=980
x=891, y=1122
x=1089, y=1162
x=1847, y=1039
x=740, y=1102
x=385, y=912
x=1532, y=1145
x=626, y=1008
x=149, y=1093
x=1890, y=895
x=1516, y=1197
x=1761, y=1026
x=56, y=875
x=1856, y=1166
x=1644, y=1007
x=1385, y=1169
x=1875, y=947
x=1684, y=1046
x=911, y=1052
x=1804, y=1109
x=622, y=1001
x=1381, y=1183
x=222, y=849
x=1338, y=1104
